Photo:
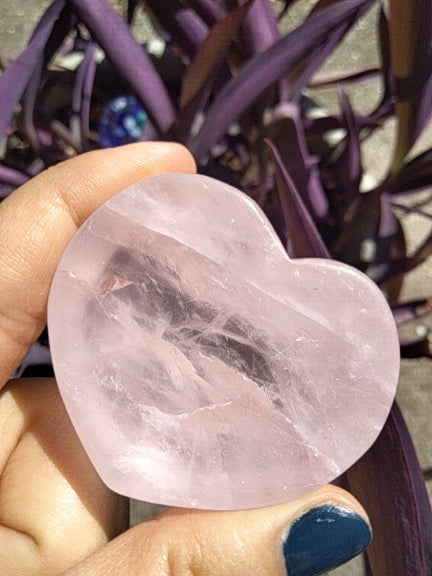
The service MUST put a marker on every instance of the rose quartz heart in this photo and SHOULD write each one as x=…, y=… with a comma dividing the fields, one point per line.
x=201, y=366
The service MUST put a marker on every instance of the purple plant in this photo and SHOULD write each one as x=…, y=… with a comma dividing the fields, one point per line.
x=231, y=87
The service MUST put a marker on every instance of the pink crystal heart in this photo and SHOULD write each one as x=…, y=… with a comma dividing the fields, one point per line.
x=202, y=367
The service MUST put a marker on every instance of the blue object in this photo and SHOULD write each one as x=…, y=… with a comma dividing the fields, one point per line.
x=122, y=121
x=324, y=538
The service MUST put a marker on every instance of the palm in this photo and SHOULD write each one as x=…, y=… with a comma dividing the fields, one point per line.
x=49, y=492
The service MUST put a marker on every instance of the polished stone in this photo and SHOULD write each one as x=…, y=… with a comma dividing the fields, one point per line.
x=201, y=366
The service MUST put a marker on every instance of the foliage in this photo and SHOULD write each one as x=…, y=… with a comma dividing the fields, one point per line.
x=231, y=87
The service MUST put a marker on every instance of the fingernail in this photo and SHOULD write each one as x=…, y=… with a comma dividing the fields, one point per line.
x=324, y=538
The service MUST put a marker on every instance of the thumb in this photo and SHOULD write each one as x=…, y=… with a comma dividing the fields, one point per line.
x=304, y=537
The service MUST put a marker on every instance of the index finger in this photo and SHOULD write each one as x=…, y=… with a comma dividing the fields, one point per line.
x=38, y=220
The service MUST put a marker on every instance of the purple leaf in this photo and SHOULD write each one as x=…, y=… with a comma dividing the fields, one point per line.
x=81, y=97
x=304, y=240
x=418, y=347
x=268, y=67
x=87, y=89
x=420, y=255
x=414, y=175
x=315, y=58
x=419, y=207
x=260, y=31
x=411, y=61
x=131, y=7
x=321, y=5
x=336, y=122
x=38, y=354
x=286, y=5
x=207, y=10
x=5, y=190
x=57, y=41
x=388, y=264
x=12, y=177
x=345, y=77
x=389, y=483
x=404, y=312
x=211, y=53
x=352, y=164
x=61, y=29
x=357, y=242
x=386, y=104
x=288, y=136
x=17, y=75
x=185, y=27
x=373, y=241
x=28, y=107
x=391, y=262
x=131, y=62
x=260, y=27
x=273, y=211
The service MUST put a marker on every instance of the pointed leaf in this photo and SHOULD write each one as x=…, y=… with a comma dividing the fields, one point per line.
x=336, y=122
x=131, y=62
x=287, y=133
x=58, y=37
x=322, y=5
x=408, y=311
x=411, y=61
x=61, y=29
x=419, y=207
x=421, y=254
x=12, y=177
x=389, y=483
x=304, y=70
x=302, y=73
x=207, y=10
x=81, y=98
x=345, y=77
x=15, y=78
x=416, y=347
x=352, y=164
x=38, y=354
x=28, y=106
x=386, y=103
x=299, y=77
x=273, y=211
x=185, y=27
x=260, y=27
x=211, y=53
x=414, y=175
x=286, y=5
x=357, y=242
x=267, y=68
x=130, y=12
x=304, y=239
x=388, y=266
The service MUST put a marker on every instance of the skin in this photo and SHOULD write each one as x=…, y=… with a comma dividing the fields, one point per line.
x=56, y=516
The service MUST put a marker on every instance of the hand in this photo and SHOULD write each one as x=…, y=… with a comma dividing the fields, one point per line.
x=56, y=516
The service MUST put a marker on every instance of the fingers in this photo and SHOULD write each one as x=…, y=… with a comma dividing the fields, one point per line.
x=304, y=537
x=54, y=509
x=38, y=220
x=57, y=517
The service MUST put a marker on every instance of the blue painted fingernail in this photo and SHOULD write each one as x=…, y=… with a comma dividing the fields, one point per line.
x=324, y=538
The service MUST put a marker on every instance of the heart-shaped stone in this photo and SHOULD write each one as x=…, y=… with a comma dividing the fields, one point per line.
x=201, y=366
